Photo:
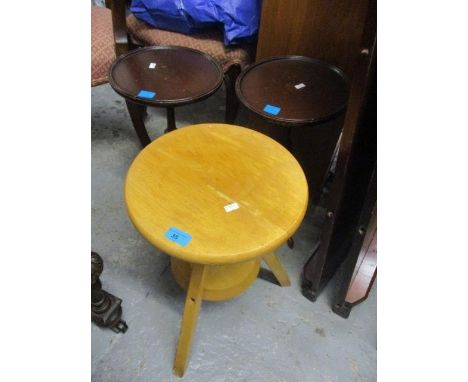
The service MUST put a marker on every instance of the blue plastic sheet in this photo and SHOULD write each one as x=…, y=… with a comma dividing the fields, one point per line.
x=238, y=18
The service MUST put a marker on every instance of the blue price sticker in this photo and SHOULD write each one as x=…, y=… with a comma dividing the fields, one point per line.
x=146, y=94
x=177, y=236
x=270, y=109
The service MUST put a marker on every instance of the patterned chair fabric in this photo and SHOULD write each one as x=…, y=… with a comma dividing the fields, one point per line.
x=102, y=44
x=210, y=41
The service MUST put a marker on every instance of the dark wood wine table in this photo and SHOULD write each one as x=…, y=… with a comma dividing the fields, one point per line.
x=163, y=76
x=295, y=92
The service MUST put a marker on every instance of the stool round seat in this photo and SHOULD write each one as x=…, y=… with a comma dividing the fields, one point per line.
x=306, y=90
x=185, y=178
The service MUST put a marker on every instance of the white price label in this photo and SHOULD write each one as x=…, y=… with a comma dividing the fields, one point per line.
x=231, y=207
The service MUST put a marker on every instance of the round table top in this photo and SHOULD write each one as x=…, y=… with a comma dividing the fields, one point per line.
x=293, y=89
x=187, y=181
x=165, y=75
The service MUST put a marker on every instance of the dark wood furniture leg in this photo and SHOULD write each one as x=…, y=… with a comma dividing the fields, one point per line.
x=119, y=25
x=106, y=309
x=358, y=271
x=170, y=115
x=232, y=103
x=137, y=114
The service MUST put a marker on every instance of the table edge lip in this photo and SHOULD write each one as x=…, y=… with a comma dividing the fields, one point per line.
x=166, y=247
x=292, y=121
x=164, y=103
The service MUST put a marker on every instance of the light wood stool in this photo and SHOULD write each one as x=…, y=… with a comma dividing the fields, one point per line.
x=217, y=198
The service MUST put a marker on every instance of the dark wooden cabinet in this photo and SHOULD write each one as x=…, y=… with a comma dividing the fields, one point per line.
x=351, y=195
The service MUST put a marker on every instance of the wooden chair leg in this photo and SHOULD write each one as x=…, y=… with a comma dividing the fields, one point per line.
x=189, y=319
x=232, y=103
x=277, y=269
x=137, y=114
x=170, y=117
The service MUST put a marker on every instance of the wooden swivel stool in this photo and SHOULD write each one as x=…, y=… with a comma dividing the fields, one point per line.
x=218, y=199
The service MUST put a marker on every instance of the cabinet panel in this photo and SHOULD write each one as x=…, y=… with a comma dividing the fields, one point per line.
x=329, y=30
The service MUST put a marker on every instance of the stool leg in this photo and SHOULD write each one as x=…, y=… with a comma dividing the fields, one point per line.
x=277, y=269
x=189, y=320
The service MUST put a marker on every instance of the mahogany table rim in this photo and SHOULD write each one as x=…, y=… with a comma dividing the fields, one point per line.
x=290, y=121
x=163, y=103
